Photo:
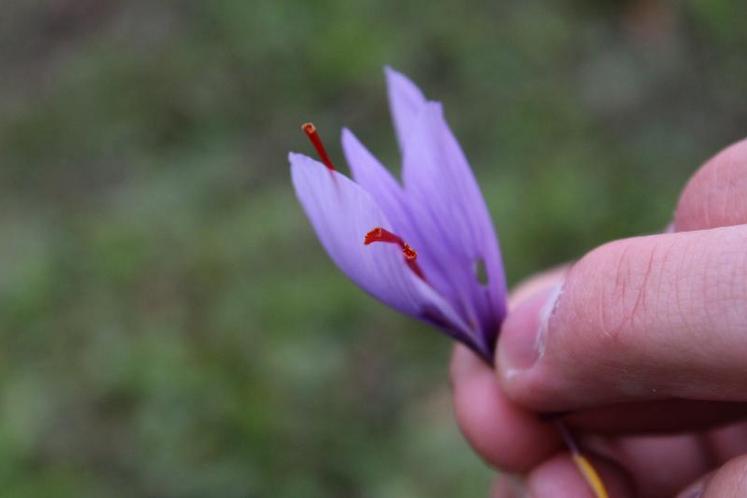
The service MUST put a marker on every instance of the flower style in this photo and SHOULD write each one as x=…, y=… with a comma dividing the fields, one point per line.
x=425, y=247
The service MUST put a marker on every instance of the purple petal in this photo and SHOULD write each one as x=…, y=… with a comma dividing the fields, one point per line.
x=370, y=174
x=444, y=197
x=405, y=102
x=375, y=179
x=342, y=213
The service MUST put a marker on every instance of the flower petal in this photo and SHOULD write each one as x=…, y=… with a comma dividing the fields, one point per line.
x=444, y=197
x=375, y=179
x=342, y=213
x=370, y=174
x=405, y=102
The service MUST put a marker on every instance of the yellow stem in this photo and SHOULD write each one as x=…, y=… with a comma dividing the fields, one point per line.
x=587, y=470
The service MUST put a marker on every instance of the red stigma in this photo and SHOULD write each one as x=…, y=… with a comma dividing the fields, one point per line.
x=311, y=132
x=379, y=234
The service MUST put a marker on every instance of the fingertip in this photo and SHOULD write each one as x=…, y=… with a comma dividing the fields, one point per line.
x=715, y=195
x=522, y=338
x=521, y=345
x=503, y=434
x=465, y=365
x=559, y=477
x=728, y=481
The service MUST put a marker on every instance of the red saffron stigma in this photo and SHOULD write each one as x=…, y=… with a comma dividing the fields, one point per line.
x=311, y=132
x=379, y=234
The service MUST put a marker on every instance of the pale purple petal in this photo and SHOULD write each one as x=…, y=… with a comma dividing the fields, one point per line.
x=375, y=179
x=405, y=102
x=341, y=213
x=444, y=197
x=370, y=174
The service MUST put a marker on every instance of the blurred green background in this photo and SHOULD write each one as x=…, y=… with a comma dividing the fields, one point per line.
x=169, y=325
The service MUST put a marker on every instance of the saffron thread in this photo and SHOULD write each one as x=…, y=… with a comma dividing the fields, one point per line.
x=380, y=234
x=587, y=470
x=316, y=141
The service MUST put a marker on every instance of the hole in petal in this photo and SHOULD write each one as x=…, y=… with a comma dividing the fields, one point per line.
x=481, y=273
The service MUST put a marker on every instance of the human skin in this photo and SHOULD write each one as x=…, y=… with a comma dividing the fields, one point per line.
x=640, y=347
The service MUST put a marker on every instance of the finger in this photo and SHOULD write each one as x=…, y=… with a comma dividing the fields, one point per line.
x=729, y=481
x=696, y=489
x=662, y=465
x=643, y=318
x=728, y=442
x=559, y=477
x=716, y=195
x=505, y=435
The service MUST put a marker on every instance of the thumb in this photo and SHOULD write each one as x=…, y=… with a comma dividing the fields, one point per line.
x=638, y=319
x=729, y=481
x=644, y=318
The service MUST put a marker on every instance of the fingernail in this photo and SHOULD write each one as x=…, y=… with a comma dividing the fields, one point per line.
x=695, y=491
x=522, y=340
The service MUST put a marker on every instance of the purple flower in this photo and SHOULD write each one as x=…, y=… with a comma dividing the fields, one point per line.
x=425, y=247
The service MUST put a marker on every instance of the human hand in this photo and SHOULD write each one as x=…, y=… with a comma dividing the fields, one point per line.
x=640, y=347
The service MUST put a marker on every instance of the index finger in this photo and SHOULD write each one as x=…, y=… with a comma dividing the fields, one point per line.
x=505, y=435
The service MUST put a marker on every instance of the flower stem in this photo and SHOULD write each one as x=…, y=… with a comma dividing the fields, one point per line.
x=587, y=470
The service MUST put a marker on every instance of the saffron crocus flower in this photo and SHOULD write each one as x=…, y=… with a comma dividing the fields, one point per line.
x=425, y=247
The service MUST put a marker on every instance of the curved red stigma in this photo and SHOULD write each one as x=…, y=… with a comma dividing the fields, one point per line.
x=316, y=141
x=380, y=234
